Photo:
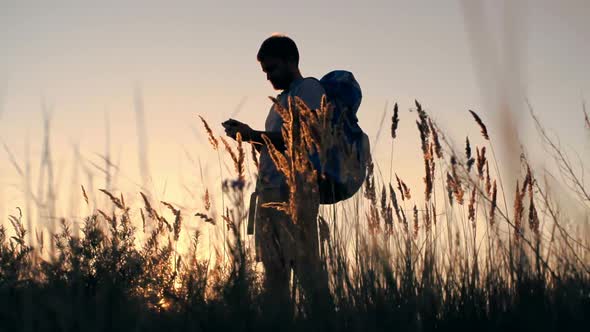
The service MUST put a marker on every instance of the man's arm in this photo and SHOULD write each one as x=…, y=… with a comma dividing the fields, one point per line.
x=232, y=127
x=275, y=138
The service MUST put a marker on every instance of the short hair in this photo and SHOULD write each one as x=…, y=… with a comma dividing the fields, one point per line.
x=279, y=46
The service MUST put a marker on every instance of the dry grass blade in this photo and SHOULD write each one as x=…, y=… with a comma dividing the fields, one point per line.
x=586, y=120
x=518, y=211
x=40, y=240
x=18, y=227
x=399, y=187
x=471, y=207
x=370, y=191
x=482, y=126
x=212, y=138
x=427, y=219
x=455, y=182
x=12, y=159
x=450, y=187
x=205, y=218
x=416, y=224
x=118, y=203
x=254, y=155
x=488, y=182
x=371, y=194
x=207, y=200
x=533, y=215
x=237, y=157
x=106, y=216
x=423, y=128
x=84, y=194
x=386, y=211
x=152, y=213
x=229, y=150
x=177, y=219
x=277, y=157
x=147, y=204
x=493, y=203
x=528, y=181
x=394, y=121
x=241, y=157
x=470, y=160
x=432, y=163
x=428, y=183
x=481, y=161
x=283, y=112
x=434, y=213
x=229, y=221
x=435, y=139
x=396, y=206
x=281, y=206
x=406, y=190
x=142, y=220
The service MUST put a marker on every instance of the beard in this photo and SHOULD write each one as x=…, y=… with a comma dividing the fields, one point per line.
x=281, y=83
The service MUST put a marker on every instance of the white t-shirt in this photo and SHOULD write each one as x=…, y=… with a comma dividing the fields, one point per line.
x=310, y=91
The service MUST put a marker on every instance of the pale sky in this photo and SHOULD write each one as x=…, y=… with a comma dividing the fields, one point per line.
x=199, y=57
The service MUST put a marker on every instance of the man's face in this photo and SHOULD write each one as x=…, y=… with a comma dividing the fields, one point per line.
x=277, y=72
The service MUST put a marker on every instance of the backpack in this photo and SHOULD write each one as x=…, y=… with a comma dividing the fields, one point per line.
x=343, y=172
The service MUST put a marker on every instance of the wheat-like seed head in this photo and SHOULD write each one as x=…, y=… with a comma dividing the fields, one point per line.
x=427, y=179
x=493, y=203
x=394, y=201
x=207, y=200
x=456, y=181
x=212, y=138
x=434, y=213
x=118, y=202
x=177, y=219
x=205, y=218
x=435, y=138
x=84, y=194
x=518, y=210
x=471, y=207
x=468, y=156
x=394, y=121
x=386, y=211
x=142, y=220
x=533, y=216
x=254, y=155
x=432, y=163
x=488, y=182
x=416, y=225
x=482, y=126
x=481, y=160
x=450, y=187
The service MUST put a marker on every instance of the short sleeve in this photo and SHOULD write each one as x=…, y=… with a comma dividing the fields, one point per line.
x=311, y=92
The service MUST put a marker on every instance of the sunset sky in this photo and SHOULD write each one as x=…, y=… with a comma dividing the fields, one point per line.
x=199, y=58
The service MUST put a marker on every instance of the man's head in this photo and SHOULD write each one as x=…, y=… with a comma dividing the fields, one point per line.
x=279, y=59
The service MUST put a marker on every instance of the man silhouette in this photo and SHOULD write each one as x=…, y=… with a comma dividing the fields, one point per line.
x=282, y=244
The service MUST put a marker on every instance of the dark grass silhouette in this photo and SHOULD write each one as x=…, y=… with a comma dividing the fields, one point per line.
x=391, y=267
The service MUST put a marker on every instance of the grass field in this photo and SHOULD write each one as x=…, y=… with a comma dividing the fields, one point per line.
x=462, y=252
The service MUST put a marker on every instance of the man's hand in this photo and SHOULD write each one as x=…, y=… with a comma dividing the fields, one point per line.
x=232, y=127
